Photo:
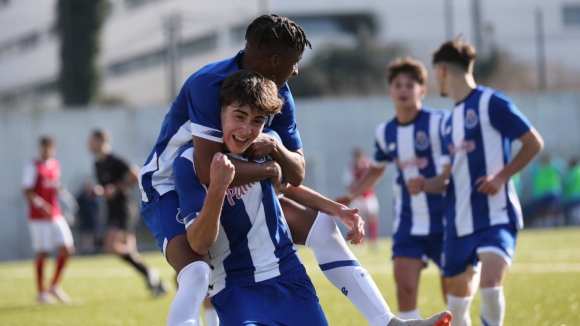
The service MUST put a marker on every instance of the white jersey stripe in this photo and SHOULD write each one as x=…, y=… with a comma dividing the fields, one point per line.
x=434, y=126
x=493, y=149
x=461, y=176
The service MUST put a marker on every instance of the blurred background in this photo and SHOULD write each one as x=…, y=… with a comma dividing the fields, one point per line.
x=69, y=66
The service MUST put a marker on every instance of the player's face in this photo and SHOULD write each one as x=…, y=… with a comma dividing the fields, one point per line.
x=405, y=91
x=284, y=66
x=441, y=76
x=47, y=151
x=95, y=144
x=240, y=127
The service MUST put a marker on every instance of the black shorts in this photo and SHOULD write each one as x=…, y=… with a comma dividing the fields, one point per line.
x=122, y=215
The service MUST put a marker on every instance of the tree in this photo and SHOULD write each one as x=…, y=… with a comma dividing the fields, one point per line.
x=79, y=24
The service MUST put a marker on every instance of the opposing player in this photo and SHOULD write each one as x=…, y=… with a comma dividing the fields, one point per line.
x=482, y=211
x=367, y=202
x=411, y=141
x=274, y=45
x=48, y=228
x=116, y=178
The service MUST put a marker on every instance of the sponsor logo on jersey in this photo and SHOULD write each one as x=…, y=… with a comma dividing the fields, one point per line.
x=467, y=146
x=415, y=162
x=471, y=119
x=421, y=140
x=238, y=192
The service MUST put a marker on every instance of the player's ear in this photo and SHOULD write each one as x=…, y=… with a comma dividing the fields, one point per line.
x=423, y=92
x=275, y=60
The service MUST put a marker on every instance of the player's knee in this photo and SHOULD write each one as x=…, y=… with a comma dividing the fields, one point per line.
x=406, y=288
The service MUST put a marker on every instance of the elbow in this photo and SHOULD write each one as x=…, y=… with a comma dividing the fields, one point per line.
x=199, y=248
x=296, y=180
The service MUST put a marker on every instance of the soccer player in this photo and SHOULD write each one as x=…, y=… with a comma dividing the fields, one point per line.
x=48, y=228
x=482, y=210
x=274, y=45
x=367, y=202
x=411, y=141
x=116, y=178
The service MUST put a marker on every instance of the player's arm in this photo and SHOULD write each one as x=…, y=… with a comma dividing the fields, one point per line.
x=130, y=178
x=28, y=181
x=246, y=172
x=367, y=181
x=292, y=162
x=435, y=185
x=349, y=217
x=203, y=225
x=532, y=144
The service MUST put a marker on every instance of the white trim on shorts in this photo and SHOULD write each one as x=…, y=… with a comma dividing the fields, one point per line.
x=48, y=235
x=497, y=251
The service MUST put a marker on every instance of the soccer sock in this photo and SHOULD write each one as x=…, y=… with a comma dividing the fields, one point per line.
x=459, y=307
x=60, y=263
x=138, y=265
x=211, y=317
x=373, y=229
x=39, y=274
x=413, y=314
x=193, y=282
x=343, y=270
x=492, y=306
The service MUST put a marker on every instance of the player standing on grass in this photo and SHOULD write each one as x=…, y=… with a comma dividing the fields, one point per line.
x=411, y=141
x=367, y=202
x=116, y=178
x=482, y=210
x=274, y=45
x=48, y=228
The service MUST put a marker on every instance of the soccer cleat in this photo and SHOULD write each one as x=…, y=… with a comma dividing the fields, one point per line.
x=152, y=279
x=58, y=293
x=44, y=298
x=160, y=290
x=441, y=319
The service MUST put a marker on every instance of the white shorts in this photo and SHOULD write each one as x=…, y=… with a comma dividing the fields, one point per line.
x=48, y=235
x=367, y=205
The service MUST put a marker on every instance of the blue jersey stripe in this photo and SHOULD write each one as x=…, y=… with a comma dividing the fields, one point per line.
x=238, y=266
x=338, y=263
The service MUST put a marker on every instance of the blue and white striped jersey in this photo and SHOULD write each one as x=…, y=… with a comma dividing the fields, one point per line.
x=416, y=150
x=196, y=111
x=477, y=136
x=254, y=243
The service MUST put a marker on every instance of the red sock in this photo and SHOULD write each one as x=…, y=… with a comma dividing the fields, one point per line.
x=373, y=229
x=60, y=262
x=39, y=272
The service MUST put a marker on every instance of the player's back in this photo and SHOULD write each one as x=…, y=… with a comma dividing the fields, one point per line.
x=253, y=243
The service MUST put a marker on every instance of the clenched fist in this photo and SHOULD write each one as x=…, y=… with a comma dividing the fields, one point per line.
x=222, y=171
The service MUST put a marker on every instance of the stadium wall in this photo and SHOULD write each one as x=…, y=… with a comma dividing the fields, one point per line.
x=330, y=129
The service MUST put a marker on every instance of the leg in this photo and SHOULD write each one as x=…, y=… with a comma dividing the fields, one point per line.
x=407, y=271
x=210, y=315
x=39, y=266
x=493, y=272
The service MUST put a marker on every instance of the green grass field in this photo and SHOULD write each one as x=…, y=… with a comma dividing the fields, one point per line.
x=543, y=288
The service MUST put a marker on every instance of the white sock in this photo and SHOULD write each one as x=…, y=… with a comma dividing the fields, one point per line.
x=492, y=306
x=459, y=307
x=412, y=314
x=193, y=281
x=211, y=317
x=343, y=270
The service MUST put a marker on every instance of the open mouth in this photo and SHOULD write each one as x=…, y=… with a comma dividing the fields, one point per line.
x=239, y=141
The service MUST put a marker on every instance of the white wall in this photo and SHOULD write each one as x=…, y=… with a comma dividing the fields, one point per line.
x=330, y=128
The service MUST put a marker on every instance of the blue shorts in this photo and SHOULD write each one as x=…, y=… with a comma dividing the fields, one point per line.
x=163, y=218
x=459, y=253
x=289, y=299
x=419, y=247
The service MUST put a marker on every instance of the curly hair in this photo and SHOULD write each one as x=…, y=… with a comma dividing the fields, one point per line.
x=414, y=68
x=274, y=30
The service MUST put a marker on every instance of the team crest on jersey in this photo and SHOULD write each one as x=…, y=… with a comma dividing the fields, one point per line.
x=471, y=119
x=392, y=146
x=421, y=140
x=179, y=217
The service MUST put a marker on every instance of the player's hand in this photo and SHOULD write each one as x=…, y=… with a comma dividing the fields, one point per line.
x=262, y=146
x=415, y=185
x=344, y=199
x=222, y=171
x=354, y=222
x=276, y=177
x=110, y=191
x=490, y=184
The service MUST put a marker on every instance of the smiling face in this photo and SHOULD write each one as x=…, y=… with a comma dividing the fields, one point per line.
x=240, y=127
x=405, y=91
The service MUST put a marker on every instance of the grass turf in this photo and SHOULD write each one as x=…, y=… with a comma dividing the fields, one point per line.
x=542, y=288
